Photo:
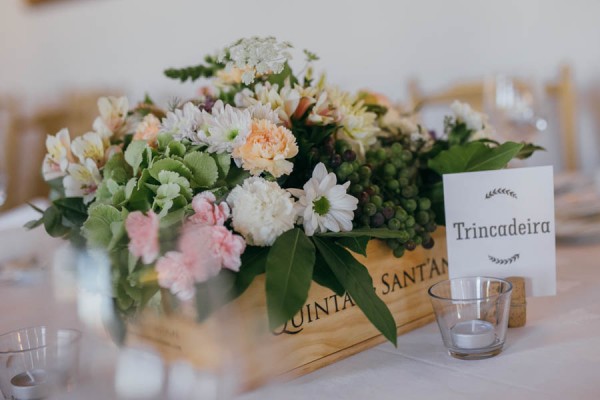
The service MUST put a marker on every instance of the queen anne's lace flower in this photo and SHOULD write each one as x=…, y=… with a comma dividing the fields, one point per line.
x=261, y=211
x=323, y=205
x=256, y=56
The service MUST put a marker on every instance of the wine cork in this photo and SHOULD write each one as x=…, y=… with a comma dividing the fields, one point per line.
x=518, y=304
x=518, y=290
x=517, y=315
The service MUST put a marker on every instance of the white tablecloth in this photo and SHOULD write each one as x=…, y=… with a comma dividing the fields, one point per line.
x=556, y=355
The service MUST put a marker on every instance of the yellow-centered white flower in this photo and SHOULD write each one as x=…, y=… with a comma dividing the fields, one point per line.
x=324, y=205
x=83, y=180
x=89, y=146
x=113, y=116
x=59, y=155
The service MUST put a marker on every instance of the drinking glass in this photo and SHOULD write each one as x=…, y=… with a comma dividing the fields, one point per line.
x=514, y=107
x=38, y=361
x=472, y=314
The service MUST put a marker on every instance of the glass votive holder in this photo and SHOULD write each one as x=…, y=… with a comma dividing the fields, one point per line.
x=37, y=362
x=472, y=314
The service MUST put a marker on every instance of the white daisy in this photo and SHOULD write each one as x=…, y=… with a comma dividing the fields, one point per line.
x=323, y=205
x=182, y=124
x=226, y=129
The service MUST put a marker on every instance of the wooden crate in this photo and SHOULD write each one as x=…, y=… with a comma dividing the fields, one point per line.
x=327, y=329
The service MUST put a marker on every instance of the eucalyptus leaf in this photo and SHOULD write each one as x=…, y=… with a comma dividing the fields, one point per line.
x=289, y=273
x=53, y=222
x=358, y=283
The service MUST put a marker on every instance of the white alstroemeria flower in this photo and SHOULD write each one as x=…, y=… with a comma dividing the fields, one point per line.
x=359, y=127
x=59, y=155
x=83, y=180
x=324, y=112
x=323, y=205
x=182, y=124
x=113, y=116
x=225, y=129
x=283, y=102
x=256, y=56
x=89, y=146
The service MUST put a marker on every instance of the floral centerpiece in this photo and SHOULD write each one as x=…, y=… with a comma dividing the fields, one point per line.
x=267, y=171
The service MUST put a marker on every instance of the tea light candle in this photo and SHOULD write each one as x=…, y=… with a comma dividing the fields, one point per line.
x=30, y=385
x=473, y=334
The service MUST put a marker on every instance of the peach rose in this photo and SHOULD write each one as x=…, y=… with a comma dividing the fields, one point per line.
x=148, y=130
x=267, y=149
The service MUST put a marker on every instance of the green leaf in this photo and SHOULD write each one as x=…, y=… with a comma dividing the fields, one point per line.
x=358, y=283
x=172, y=218
x=134, y=155
x=176, y=148
x=36, y=208
x=254, y=261
x=163, y=140
x=289, y=272
x=97, y=229
x=73, y=209
x=53, y=222
x=280, y=78
x=117, y=169
x=223, y=164
x=34, y=223
x=378, y=233
x=474, y=156
x=528, y=150
x=357, y=244
x=204, y=168
x=324, y=276
x=168, y=164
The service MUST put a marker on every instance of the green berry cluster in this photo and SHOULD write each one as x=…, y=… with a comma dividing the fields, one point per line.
x=387, y=187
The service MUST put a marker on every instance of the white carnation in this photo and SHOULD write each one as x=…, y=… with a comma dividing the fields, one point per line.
x=261, y=211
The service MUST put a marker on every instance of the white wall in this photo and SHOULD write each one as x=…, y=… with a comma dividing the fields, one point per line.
x=378, y=44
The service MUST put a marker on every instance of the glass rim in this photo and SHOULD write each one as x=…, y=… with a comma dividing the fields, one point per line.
x=491, y=278
x=77, y=335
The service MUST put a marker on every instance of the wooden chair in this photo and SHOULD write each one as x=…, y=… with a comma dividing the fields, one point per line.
x=562, y=90
x=26, y=139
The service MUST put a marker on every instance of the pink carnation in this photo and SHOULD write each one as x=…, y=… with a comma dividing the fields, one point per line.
x=143, y=235
x=204, y=251
x=207, y=212
x=174, y=274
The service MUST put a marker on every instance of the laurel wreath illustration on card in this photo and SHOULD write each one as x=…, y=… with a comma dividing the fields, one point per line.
x=501, y=191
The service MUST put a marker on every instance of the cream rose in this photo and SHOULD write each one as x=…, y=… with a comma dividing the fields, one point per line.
x=267, y=149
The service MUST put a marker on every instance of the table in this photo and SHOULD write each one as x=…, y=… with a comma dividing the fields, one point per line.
x=556, y=355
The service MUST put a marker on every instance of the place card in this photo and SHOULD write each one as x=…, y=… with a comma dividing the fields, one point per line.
x=501, y=224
